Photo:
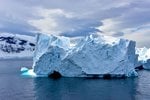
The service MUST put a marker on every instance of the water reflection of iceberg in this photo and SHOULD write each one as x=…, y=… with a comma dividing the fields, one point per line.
x=84, y=89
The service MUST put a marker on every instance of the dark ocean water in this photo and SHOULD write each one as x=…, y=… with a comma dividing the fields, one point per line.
x=13, y=86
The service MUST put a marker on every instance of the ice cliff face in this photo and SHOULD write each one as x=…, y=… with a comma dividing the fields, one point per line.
x=84, y=56
x=144, y=57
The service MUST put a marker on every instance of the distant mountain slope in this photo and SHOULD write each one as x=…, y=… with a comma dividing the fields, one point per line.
x=16, y=46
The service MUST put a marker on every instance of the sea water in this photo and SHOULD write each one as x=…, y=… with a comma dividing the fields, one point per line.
x=13, y=86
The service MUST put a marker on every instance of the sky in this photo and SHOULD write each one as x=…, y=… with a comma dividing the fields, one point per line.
x=119, y=18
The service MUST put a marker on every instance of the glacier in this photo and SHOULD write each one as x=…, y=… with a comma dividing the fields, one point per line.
x=143, y=57
x=85, y=56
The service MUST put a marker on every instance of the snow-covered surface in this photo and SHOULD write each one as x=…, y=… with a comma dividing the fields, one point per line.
x=84, y=56
x=16, y=46
x=144, y=57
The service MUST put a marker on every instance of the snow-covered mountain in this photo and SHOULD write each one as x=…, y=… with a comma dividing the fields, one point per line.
x=16, y=46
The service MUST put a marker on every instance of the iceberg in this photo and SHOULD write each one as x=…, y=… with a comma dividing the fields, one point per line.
x=24, y=69
x=143, y=57
x=27, y=72
x=94, y=55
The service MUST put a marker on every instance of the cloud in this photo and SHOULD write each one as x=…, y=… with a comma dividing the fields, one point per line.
x=60, y=17
x=51, y=20
x=73, y=18
x=141, y=35
x=119, y=18
x=14, y=17
x=60, y=22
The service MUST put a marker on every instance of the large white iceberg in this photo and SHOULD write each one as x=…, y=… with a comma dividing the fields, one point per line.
x=84, y=56
x=144, y=57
